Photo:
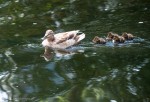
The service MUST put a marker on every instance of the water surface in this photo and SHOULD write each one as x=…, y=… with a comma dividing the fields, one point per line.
x=89, y=73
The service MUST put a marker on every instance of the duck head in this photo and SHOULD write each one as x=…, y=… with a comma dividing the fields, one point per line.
x=110, y=35
x=49, y=34
x=125, y=35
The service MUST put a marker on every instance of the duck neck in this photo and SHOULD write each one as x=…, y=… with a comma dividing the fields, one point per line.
x=51, y=38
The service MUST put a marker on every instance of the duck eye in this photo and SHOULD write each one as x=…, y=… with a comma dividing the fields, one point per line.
x=51, y=32
x=46, y=35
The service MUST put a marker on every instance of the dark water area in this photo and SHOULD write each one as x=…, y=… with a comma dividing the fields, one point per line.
x=83, y=73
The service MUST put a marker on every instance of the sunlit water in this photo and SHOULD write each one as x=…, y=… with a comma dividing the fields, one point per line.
x=84, y=73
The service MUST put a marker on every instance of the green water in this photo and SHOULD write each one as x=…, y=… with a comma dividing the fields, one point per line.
x=91, y=73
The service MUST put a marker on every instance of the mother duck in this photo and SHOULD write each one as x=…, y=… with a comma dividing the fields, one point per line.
x=62, y=40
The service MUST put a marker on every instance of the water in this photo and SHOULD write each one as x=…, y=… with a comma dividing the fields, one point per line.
x=83, y=73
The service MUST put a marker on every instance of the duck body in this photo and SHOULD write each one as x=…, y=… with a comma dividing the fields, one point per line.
x=62, y=40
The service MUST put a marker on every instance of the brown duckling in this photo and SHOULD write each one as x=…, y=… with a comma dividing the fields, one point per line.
x=127, y=36
x=118, y=39
x=98, y=40
x=111, y=35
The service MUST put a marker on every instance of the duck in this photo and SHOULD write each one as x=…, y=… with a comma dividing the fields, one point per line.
x=62, y=40
x=110, y=36
x=98, y=40
x=127, y=36
x=118, y=39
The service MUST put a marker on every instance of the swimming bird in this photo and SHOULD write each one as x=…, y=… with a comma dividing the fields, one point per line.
x=62, y=40
x=118, y=39
x=110, y=36
x=127, y=36
x=98, y=40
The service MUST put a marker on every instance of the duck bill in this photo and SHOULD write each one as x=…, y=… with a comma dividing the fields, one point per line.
x=43, y=38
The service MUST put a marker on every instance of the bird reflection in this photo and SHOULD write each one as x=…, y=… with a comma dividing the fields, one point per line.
x=48, y=54
x=58, y=54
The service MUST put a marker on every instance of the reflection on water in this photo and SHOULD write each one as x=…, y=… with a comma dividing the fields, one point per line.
x=61, y=53
x=83, y=73
x=92, y=78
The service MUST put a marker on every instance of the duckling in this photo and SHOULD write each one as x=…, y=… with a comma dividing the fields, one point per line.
x=98, y=40
x=62, y=40
x=118, y=39
x=111, y=35
x=127, y=36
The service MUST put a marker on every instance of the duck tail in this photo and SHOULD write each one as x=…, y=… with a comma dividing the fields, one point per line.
x=80, y=37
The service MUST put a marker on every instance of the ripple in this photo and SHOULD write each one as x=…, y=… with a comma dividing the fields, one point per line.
x=132, y=89
x=3, y=96
x=5, y=4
